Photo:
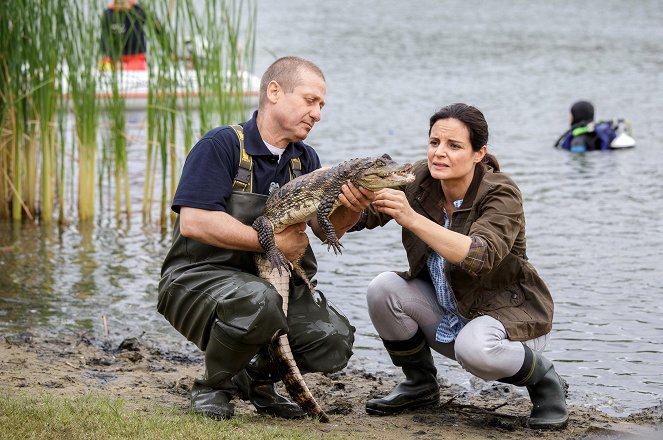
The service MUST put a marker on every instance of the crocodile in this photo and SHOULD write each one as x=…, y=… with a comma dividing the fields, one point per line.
x=312, y=195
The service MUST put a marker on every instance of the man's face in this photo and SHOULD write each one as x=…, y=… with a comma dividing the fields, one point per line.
x=298, y=111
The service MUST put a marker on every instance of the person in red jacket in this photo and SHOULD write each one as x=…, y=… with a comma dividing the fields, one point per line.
x=123, y=36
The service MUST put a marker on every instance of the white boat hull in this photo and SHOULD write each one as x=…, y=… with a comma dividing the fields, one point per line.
x=133, y=86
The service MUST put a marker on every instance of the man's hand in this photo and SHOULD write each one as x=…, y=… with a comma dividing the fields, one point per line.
x=292, y=241
x=353, y=200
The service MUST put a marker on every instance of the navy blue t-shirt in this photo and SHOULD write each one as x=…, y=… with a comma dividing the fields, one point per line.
x=211, y=166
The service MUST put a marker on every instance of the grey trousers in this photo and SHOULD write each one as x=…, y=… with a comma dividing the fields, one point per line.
x=398, y=308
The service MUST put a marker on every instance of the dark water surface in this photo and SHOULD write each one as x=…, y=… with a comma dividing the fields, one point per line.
x=594, y=225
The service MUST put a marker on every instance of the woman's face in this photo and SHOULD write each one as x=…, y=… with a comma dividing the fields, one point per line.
x=450, y=155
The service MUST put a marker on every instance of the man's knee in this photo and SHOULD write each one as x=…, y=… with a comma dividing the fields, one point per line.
x=253, y=313
x=327, y=355
x=320, y=335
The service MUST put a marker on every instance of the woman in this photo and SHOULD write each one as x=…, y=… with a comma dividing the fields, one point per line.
x=470, y=293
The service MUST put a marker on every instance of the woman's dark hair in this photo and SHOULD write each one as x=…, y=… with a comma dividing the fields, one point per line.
x=476, y=125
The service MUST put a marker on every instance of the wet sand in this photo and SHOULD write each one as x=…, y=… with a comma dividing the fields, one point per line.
x=146, y=376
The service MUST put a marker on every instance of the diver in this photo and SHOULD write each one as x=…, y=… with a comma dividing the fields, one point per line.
x=584, y=134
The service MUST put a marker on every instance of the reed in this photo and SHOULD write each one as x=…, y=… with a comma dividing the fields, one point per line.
x=192, y=51
x=44, y=97
x=164, y=77
x=14, y=95
x=81, y=57
x=48, y=70
x=115, y=107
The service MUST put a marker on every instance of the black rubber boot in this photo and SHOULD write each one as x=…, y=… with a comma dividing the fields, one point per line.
x=547, y=391
x=211, y=395
x=420, y=387
x=256, y=384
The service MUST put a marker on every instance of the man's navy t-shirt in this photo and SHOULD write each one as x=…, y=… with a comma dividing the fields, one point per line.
x=210, y=168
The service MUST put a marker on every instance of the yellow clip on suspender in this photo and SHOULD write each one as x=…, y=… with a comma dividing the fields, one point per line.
x=295, y=167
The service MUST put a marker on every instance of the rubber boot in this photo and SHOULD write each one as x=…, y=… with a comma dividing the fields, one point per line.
x=256, y=384
x=211, y=394
x=547, y=391
x=420, y=387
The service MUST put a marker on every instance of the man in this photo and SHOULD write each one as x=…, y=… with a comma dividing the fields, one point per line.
x=209, y=290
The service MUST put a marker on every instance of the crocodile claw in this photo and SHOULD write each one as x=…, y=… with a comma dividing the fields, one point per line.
x=278, y=261
x=336, y=245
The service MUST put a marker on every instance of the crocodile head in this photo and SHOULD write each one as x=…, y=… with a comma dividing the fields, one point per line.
x=374, y=173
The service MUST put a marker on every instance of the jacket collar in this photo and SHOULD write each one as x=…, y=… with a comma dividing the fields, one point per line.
x=473, y=189
x=431, y=197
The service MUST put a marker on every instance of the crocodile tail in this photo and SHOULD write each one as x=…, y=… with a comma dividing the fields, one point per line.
x=294, y=381
x=291, y=376
x=299, y=270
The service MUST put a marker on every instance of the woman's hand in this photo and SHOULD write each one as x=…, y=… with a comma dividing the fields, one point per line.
x=451, y=245
x=394, y=203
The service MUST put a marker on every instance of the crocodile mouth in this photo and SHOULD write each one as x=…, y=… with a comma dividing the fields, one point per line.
x=403, y=174
x=399, y=176
x=387, y=178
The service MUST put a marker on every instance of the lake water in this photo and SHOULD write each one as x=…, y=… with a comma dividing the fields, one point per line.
x=594, y=226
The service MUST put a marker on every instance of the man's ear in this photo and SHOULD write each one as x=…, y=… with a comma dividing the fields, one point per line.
x=273, y=91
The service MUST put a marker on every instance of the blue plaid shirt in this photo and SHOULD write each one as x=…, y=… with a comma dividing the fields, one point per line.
x=451, y=323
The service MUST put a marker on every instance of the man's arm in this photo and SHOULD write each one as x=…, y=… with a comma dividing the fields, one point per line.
x=220, y=229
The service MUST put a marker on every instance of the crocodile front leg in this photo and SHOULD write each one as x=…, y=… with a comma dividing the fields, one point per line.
x=327, y=206
x=266, y=239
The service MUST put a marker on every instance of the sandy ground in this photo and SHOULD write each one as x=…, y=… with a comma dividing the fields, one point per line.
x=145, y=376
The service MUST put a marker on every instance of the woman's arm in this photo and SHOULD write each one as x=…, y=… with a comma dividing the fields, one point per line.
x=452, y=246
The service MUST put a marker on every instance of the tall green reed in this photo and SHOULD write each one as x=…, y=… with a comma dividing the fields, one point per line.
x=19, y=120
x=45, y=92
x=81, y=58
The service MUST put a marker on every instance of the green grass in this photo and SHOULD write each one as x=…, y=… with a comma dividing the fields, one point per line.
x=98, y=417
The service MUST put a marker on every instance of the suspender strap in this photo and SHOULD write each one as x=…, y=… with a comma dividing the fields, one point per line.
x=244, y=178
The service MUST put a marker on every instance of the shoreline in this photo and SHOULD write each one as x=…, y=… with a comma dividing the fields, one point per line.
x=145, y=377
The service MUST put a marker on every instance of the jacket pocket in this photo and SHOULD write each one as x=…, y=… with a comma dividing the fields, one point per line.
x=501, y=299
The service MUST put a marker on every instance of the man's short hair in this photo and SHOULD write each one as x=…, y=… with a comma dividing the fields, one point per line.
x=287, y=72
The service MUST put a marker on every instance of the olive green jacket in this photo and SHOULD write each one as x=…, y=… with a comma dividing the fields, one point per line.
x=496, y=279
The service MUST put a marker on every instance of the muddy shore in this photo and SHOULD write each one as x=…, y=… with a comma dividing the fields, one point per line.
x=145, y=376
